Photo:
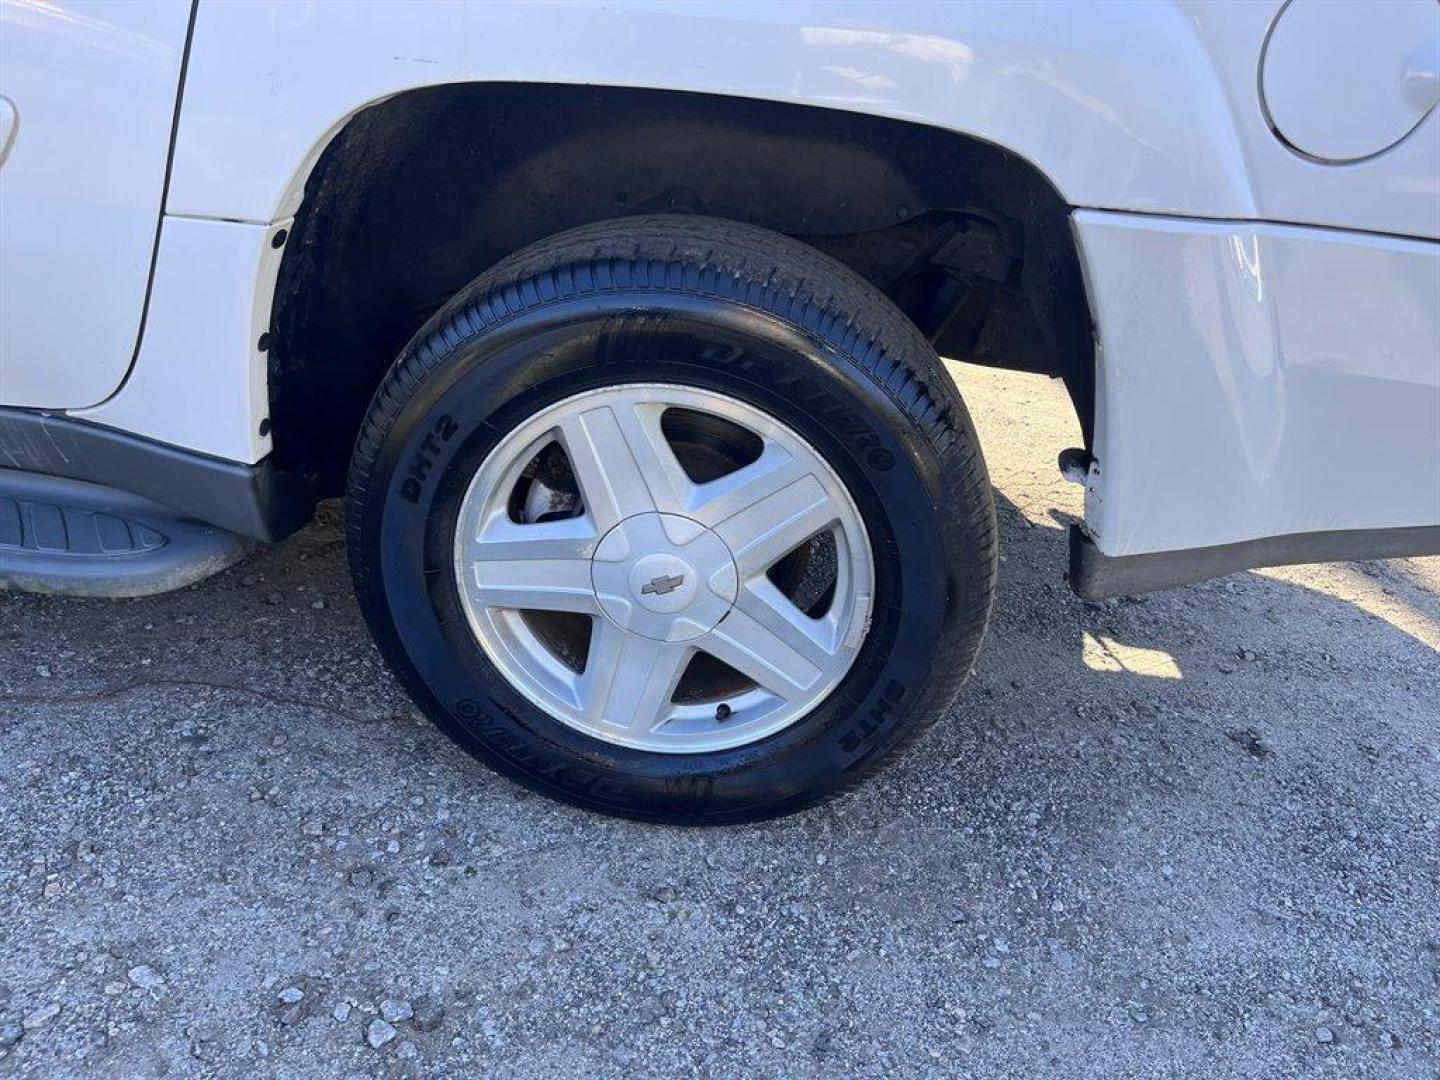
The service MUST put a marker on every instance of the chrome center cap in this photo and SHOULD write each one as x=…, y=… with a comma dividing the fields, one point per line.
x=664, y=576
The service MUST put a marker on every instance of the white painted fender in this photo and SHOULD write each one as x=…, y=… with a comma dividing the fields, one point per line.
x=1149, y=107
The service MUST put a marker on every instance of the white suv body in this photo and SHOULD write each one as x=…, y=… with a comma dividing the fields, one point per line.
x=1250, y=192
x=1267, y=325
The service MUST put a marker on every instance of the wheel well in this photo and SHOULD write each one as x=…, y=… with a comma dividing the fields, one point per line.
x=422, y=192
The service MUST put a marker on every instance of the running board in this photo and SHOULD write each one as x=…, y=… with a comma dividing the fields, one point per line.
x=70, y=538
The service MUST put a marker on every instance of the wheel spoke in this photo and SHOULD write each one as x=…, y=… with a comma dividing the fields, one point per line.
x=629, y=679
x=501, y=538
x=753, y=649
x=714, y=501
x=622, y=462
x=785, y=511
x=539, y=567
x=813, y=639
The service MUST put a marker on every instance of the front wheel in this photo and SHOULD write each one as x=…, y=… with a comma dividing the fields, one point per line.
x=674, y=518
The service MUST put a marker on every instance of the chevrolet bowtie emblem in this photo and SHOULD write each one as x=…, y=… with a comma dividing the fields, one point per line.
x=663, y=584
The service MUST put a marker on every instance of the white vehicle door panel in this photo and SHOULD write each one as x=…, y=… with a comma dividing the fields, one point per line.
x=93, y=86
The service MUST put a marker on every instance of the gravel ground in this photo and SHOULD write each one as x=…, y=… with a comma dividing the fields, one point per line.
x=1195, y=834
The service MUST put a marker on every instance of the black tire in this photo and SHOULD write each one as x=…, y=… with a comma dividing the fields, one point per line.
x=722, y=306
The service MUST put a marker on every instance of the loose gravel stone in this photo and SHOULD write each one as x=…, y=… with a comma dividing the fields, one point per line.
x=41, y=1016
x=1251, y=741
x=395, y=1010
x=429, y=1015
x=379, y=1033
x=145, y=977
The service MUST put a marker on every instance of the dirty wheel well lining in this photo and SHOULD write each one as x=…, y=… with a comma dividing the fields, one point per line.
x=419, y=194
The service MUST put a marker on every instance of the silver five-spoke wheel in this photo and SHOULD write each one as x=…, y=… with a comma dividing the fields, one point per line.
x=664, y=568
